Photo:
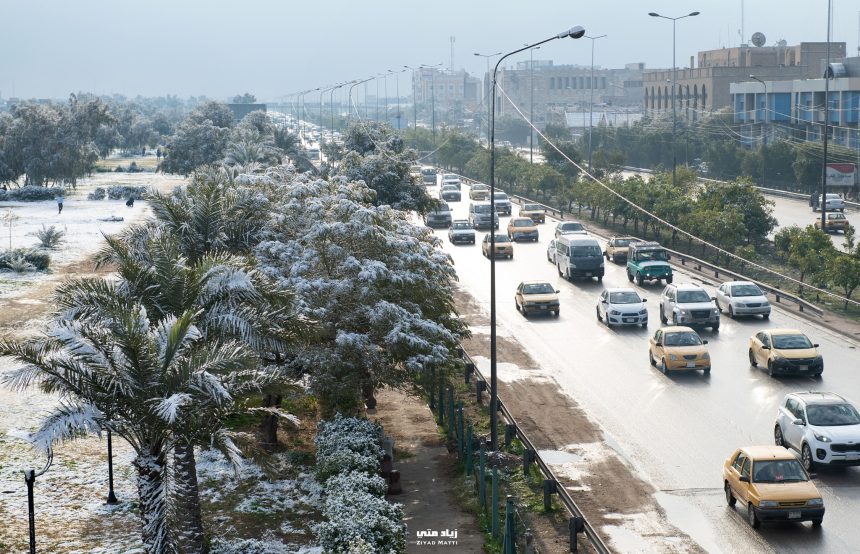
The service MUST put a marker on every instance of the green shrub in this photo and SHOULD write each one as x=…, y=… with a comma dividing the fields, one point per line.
x=40, y=260
x=49, y=237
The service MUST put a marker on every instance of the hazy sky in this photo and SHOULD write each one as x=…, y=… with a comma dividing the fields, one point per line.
x=49, y=48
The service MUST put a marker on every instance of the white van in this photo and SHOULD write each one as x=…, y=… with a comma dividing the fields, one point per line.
x=579, y=256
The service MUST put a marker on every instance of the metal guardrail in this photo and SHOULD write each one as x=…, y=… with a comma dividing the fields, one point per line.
x=578, y=521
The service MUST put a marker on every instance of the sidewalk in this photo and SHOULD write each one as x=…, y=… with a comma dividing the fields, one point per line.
x=427, y=475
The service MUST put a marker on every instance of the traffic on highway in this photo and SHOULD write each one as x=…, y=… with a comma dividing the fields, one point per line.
x=699, y=384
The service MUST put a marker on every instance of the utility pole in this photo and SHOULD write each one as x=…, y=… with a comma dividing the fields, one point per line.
x=591, y=102
x=826, y=123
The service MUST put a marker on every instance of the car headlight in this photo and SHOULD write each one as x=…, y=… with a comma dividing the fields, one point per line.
x=573, y=266
x=821, y=438
x=673, y=357
x=614, y=312
x=714, y=311
x=815, y=502
x=684, y=312
x=706, y=356
x=768, y=504
x=643, y=312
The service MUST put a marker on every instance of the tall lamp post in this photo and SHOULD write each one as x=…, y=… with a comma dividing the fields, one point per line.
x=532, y=102
x=573, y=32
x=763, y=133
x=349, y=99
x=322, y=121
x=591, y=101
x=674, y=76
x=489, y=89
x=331, y=105
x=826, y=123
x=302, y=95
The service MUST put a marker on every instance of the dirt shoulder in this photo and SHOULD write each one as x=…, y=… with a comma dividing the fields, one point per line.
x=616, y=500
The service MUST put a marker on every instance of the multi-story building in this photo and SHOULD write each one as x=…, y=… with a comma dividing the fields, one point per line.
x=705, y=88
x=773, y=108
x=446, y=88
x=556, y=89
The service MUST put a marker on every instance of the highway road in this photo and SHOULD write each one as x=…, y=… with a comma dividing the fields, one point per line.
x=677, y=430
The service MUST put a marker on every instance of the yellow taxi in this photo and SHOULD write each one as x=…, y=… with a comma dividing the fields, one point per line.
x=522, y=228
x=504, y=248
x=836, y=221
x=534, y=297
x=678, y=348
x=785, y=351
x=772, y=484
x=535, y=212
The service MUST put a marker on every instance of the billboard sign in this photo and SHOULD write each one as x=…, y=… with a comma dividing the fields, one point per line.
x=840, y=175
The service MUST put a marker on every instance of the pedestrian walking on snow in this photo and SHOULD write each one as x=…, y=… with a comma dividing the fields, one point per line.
x=59, y=200
x=130, y=202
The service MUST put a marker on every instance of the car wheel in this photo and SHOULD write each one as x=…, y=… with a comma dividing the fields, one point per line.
x=675, y=320
x=770, y=368
x=651, y=361
x=765, y=316
x=629, y=276
x=778, y=439
x=663, y=367
x=817, y=522
x=751, y=517
x=730, y=498
x=599, y=317
x=715, y=327
x=600, y=278
x=560, y=274
x=707, y=370
x=731, y=312
x=719, y=308
x=663, y=316
x=517, y=305
x=669, y=280
x=525, y=313
x=639, y=279
x=806, y=458
x=752, y=359
x=557, y=313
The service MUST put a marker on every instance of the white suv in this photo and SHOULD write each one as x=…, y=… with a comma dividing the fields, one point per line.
x=688, y=304
x=832, y=203
x=742, y=298
x=822, y=426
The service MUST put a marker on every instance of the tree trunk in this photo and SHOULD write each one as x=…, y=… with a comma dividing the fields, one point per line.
x=150, y=465
x=269, y=427
x=188, y=527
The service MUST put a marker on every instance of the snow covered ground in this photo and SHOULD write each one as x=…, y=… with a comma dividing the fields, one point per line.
x=251, y=514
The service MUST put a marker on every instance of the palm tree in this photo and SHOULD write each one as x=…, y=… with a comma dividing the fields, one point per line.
x=156, y=384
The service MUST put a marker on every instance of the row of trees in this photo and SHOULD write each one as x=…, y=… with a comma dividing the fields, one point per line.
x=250, y=279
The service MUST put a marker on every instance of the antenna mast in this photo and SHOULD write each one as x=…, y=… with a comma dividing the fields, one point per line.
x=453, y=39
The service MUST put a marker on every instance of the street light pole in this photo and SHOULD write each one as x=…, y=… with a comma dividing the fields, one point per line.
x=349, y=99
x=591, y=101
x=574, y=32
x=826, y=124
x=489, y=89
x=532, y=102
x=331, y=106
x=303, y=108
x=674, y=85
x=763, y=133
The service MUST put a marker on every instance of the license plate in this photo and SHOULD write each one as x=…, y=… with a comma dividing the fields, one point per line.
x=793, y=515
x=852, y=457
x=543, y=307
x=691, y=364
x=804, y=368
x=629, y=320
x=588, y=274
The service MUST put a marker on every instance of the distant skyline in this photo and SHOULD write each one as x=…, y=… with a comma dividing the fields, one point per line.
x=52, y=48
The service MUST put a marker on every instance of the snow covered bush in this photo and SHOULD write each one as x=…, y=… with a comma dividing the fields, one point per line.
x=353, y=518
x=98, y=194
x=356, y=482
x=124, y=192
x=39, y=260
x=49, y=237
x=347, y=444
x=33, y=193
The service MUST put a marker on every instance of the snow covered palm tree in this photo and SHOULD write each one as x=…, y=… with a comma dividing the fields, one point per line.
x=121, y=372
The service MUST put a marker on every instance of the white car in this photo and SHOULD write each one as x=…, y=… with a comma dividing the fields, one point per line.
x=550, y=252
x=621, y=306
x=832, y=203
x=742, y=298
x=569, y=227
x=822, y=426
x=688, y=304
x=451, y=179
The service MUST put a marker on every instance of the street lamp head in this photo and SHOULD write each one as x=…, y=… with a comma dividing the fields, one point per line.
x=654, y=14
x=693, y=14
x=577, y=31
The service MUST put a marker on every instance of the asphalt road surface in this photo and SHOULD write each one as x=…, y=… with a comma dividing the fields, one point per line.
x=676, y=429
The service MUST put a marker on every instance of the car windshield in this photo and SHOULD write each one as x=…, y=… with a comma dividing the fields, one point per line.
x=626, y=297
x=461, y=225
x=778, y=471
x=480, y=188
x=746, y=290
x=622, y=242
x=449, y=187
x=652, y=256
x=481, y=209
x=538, y=288
x=442, y=207
x=835, y=216
x=500, y=196
x=691, y=296
x=825, y=415
x=523, y=223
x=682, y=338
x=502, y=238
x=532, y=208
x=571, y=226
x=584, y=251
x=791, y=342
x=450, y=177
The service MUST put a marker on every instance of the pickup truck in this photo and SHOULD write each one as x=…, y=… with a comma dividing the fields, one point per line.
x=648, y=261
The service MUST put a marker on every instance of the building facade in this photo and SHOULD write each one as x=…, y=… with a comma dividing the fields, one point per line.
x=557, y=89
x=705, y=88
x=446, y=87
